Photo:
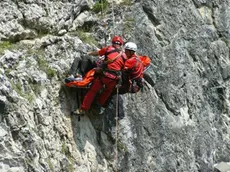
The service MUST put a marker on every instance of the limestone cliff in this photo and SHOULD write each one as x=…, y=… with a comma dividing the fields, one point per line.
x=180, y=122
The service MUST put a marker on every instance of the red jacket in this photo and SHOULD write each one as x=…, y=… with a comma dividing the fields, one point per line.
x=135, y=67
x=115, y=55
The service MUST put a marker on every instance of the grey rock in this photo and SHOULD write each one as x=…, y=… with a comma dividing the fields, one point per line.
x=178, y=122
x=222, y=167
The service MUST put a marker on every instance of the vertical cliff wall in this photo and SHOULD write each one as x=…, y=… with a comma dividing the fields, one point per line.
x=179, y=122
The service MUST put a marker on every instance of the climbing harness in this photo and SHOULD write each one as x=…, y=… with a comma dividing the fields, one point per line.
x=107, y=52
x=113, y=74
x=112, y=60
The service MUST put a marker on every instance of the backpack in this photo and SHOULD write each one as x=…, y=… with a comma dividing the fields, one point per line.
x=145, y=61
x=127, y=86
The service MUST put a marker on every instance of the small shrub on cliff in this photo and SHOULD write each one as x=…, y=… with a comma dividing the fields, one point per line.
x=126, y=2
x=65, y=150
x=100, y=6
x=86, y=37
x=50, y=72
x=5, y=45
x=121, y=146
x=50, y=164
x=43, y=65
x=18, y=88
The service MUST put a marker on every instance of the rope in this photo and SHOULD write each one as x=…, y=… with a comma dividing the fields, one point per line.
x=113, y=19
x=116, y=150
x=104, y=24
x=117, y=99
x=102, y=13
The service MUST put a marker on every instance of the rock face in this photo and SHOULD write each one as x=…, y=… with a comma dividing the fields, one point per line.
x=179, y=122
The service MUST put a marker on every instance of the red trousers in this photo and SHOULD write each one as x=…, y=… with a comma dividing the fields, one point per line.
x=97, y=85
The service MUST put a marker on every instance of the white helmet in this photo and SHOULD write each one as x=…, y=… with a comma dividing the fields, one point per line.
x=131, y=46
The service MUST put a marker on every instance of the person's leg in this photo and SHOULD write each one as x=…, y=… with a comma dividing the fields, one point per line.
x=90, y=95
x=109, y=86
x=125, y=87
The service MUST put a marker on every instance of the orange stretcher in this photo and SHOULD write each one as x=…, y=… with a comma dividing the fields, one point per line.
x=79, y=82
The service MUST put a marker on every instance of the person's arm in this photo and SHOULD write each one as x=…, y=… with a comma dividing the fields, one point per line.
x=93, y=53
x=99, y=52
x=129, y=64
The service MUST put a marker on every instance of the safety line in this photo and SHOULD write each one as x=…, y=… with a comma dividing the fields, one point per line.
x=113, y=30
x=102, y=12
x=116, y=149
x=104, y=23
x=117, y=99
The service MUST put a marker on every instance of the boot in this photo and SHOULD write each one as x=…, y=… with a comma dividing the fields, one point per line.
x=79, y=111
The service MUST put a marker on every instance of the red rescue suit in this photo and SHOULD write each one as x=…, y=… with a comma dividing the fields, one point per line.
x=134, y=71
x=113, y=63
x=135, y=67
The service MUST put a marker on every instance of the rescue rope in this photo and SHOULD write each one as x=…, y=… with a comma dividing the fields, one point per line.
x=104, y=23
x=117, y=100
x=116, y=150
x=102, y=12
x=113, y=30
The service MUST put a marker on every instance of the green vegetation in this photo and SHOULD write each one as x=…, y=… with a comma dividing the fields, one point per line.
x=7, y=72
x=126, y=2
x=41, y=32
x=5, y=45
x=65, y=151
x=36, y=88
x=121, y=146
x=50, y=72
x=28, y=161
x=130, y=20
x=48, y=160
x=100, y=6
x=29, y=97
x=70, y=167
x=43, y=65
x=32, y=52
x=18, y=88
x=28, y=64
x=86, y=37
